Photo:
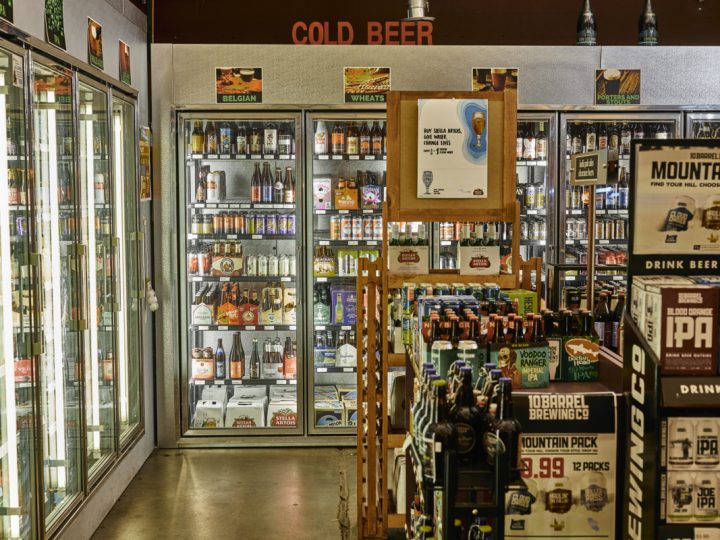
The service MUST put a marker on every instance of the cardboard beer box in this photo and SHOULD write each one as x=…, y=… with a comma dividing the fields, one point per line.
x=282, y=413
x=226, y=266
x=408, y=259
x=580, y=359
x=283, y=393
x=682, y=324
x=241, y=413
x=329, y=413
x=639, y=288
x=344, y=306
x=208, y=414
x=527, y=364
x=525, y=301
x=249, y=314
x=202, y=314
x=479, y=260
x=351, y=415
x=326, y=393
x=289, y=305
x=346, y=198
x=272, y=297
x=215, y=392
x=347, y=393
x=322, y=193
x=242, y=391
x=346, y=355
x=230, y=314
x=324, y=266
x=555, y=348
x=371, y=197
x=23, y=370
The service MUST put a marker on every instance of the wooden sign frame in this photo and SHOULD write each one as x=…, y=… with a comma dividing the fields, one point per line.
x=403, y=203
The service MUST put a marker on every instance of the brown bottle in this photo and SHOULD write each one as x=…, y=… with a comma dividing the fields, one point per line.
x=365, y=144
x=211, y=140
x=338, y=139
x=352, y=142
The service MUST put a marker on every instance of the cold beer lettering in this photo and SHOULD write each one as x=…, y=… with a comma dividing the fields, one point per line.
x=378, y=33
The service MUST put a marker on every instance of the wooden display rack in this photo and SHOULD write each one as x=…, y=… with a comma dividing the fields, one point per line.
x=375, y=281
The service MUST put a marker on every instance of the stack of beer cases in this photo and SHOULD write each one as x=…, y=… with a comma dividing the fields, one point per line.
x=680, y=318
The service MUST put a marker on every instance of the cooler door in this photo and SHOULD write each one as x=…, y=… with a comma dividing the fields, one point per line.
x=346, y=190
x=702, y=126
x=17, y=288
x=96, y=218
x=62, y=314
x=241, y=362
x=128, y=288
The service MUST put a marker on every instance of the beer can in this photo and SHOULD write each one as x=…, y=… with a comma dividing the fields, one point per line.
x=262, y=265
x=271, y=224
x=351, y=265
x=571, y=229
x=196, y=224
x=706, y=507
x=706, y=443
x=284, y=144
x=524, y=230
x=218, y=223
x=192, y=262
x=284, y=265
x=335, y=228
x=251, y=266
x=291, y=224
x=202, y=263
x=21, y=226
x=619, y=229
x=600, y=230
x=680, y=496
x=293, y=265
x=357, y=228
x=239, y=222
x=229, y=224
x=536, y=226
x=367, y=226
x=377, y=228
x=260, y=224
x=250, y=224
x=342, y=263
x=559, y=500
x=593, y=491
x=346, y=228
x=273, y=265
x=582, y=232
x=282, y=225
x=680, y=442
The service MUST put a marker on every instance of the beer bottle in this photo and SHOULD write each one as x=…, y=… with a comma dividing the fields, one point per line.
x=648, y=27
x=538, y=333
x=507, y=431
x=255, y=140
x=289, y=187
x=586, y=324
x=519, y=142
x=617, y=323
x=220, y=367
x=468, y=420
x=352, y=143
x=321, y=138
x=364, y=140
x=383, y=133
x=455, y=331
x=586, y=26
x=256, y=185
x=511, y=329
x=519, y=330
x=440, y=431
x=566, y=326
x=541, y=144
x=603, y=320
x=338, y=139
x=590, y=138
x=278, y=193
x=376, y=140
x=267, y=184
x=237, y=358
x=602, y=137
x=434, y=334
x=197, y=138
x=211, y=139
x=289, y=359
x=499, y=331
x=639, y=131
x=241, y=140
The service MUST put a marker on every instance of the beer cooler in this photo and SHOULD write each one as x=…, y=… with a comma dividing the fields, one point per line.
x=702, y=125
x=585, y=132
x=241, y=363
x=345, y=194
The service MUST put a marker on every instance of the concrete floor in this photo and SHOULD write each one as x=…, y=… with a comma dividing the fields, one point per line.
x=253, y=494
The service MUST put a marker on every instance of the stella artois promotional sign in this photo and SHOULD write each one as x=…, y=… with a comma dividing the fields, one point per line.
x=479, y=260
x=408, y=260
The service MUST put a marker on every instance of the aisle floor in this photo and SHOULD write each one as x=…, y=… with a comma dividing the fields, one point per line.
x=251, y=494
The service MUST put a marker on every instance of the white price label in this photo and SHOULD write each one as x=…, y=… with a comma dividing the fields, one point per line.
x=321, y=280
x=249, y=328
x=343, y=211
x=224, y=156
x=269, y=328
x=222, y=327
x=348, y=370
x=257, y=236
x=353, y=157
x=323, y=157
x=372, y=243
x=337, y=158
x=322, y=370
x=232, y=236
x=352, y=242
x=324, y=242
x=224, y=279
x=281, y=381
x=219, y=382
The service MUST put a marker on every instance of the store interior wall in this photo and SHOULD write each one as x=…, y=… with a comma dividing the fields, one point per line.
x=120, y=19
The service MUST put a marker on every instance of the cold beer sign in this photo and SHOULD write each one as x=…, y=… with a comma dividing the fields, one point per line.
x=376, y=33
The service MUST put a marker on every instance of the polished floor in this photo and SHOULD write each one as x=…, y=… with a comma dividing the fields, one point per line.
x=258, y=494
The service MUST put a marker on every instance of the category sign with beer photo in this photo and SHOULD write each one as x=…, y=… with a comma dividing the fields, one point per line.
x=568, y=465
x=124, y=64
x=145, y=170
x=238, y=85
x=676, y=199
x=366, y=84
x=55, y=23
x=494, y=79
x=452, y=149
x=95, y=46
x=6, y=10
x=617, y=87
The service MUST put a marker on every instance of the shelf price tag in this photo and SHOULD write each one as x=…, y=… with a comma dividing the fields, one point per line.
x=269, y=328
x=322, y=370
x=324, y=242
x=222, y=328
x=372, y=243
x=293, y=327
x=337, y=157
x=224, y=278
x=219, y=382
x=286, y=279
x=353, y=157
x=249, y=328
x=320, y=327
x=257, y=236
x=281, y=381
x=323, y=157
x=232, y=236
x=348, y=370
x=321, y=280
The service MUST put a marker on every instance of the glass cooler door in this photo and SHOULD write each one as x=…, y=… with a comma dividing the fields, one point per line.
x=17, y=377
x=346, y=190
x=240, y=179
x=96, y=213
x=56, y=231
x=128, y=289
x=702, y=125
